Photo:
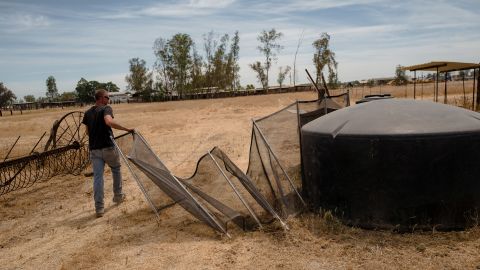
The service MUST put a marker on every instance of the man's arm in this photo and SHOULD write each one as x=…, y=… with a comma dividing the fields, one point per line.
x=111, y=123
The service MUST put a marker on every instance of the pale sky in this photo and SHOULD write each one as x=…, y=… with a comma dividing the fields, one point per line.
x=95, y=39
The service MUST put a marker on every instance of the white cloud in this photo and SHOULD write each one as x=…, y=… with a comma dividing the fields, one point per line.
x=177, y=9
x=288, y=7
x=23, y=21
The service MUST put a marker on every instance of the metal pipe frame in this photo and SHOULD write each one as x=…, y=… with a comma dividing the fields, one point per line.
x=185, y=189
x=279, y=164
x=235, y=190
x=140, y=185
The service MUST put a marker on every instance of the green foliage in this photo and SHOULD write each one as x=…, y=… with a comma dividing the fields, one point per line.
x=400, y=76
x=221, y=66
x=198, y=79
x=324, y=56
x=220, y=70
x=29, y=98
x=180, y=50
x=233, y=58
x=52, y=91
x=269, y=48
x=174, y=63
x=68, y=96
x=85, y=90
x=249, y=87
x=282, y=74
x=111, y=87
x=138, y=77
x=261, y=75
x=371, y=83
x=6, y=95
x=180, y=69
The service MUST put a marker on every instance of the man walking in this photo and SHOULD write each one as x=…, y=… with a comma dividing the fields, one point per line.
x=99, y=122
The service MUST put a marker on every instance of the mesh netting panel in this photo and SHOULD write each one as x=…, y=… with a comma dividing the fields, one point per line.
x=257, y=202
x=275, y=160
x=142, y=159
x=210, y=186
x=272, y=180
x=311, y=110
x=274, y=164
x=134, y=148
x=218, y=176
x=281, y=132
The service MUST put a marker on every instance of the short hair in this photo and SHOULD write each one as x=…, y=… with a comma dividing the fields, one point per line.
x=100, y=93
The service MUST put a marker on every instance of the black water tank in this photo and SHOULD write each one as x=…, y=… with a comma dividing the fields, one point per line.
x=395, y=164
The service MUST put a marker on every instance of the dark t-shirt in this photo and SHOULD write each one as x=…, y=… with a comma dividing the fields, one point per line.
x=98, y=132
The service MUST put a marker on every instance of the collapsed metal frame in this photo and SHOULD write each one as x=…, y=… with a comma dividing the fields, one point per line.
x=273, y=161
x=178, y=183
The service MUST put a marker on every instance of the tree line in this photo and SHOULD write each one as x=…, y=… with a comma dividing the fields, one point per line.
x=84, y=92
x=180, y=69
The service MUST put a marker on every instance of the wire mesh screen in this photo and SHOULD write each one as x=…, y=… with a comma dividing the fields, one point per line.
x=140, y=158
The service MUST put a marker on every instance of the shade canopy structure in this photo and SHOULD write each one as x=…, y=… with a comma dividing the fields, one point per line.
x=442, y=66
x=445, y=67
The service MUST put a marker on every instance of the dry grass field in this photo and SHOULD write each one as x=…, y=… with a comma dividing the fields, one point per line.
x=51, y=225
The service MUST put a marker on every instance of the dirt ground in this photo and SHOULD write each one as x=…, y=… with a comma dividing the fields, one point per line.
x=51, y=225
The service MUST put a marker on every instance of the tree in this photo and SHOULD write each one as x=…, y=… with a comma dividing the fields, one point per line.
x=111, y=87
x=52, y=91
x=269, y=47
x=233, y=58
x=261, y=76
x=85, y=91
x=163, y=64
x=333, y=76
x=370, y=83
x=282, y=74
x=400, y=76
x=174, y=63
x=324, y=56
x=6, y=95
x=139, y=76
x=68, y=96
x=210, y=46
x=196, y=72
x=179, y=48
x=221, y=65
x=29, y=98
x=295, y=58
x=220, y=68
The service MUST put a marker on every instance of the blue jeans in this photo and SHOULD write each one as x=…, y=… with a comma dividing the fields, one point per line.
x=99, y=157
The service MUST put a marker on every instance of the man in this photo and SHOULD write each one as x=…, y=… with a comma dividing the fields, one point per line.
x=99, y=122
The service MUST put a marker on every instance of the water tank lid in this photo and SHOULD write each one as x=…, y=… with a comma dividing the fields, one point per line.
x=396, y=117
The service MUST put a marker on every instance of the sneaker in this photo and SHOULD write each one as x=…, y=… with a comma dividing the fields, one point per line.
x=99, y=212
x=118, y=199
